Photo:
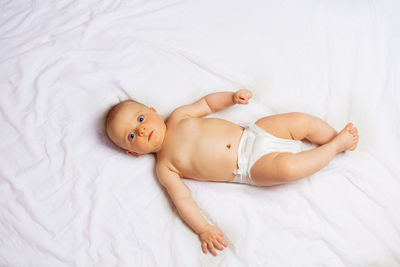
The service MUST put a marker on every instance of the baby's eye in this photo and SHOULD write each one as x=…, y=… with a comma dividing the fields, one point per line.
x=141, y=118
x=131, y=136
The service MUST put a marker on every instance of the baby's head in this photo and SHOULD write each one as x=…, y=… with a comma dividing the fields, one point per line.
x=135, y=127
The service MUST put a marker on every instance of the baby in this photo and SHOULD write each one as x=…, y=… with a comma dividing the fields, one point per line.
x=266, y=153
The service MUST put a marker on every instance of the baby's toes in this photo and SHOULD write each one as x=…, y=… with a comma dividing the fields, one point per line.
x=349, y=126
x=355, y=142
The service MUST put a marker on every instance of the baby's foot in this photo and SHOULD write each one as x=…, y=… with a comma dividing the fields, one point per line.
x=347, y=139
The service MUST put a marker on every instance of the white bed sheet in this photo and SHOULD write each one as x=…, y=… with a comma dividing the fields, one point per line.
x=70, y=198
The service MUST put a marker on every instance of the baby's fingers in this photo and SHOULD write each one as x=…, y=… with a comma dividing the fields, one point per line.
x=217, y=245
x=211, y=248
x=220, y=240
x=204, y=247
x=242, y=100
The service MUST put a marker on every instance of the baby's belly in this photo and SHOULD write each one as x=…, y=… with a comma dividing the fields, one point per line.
x=214, y=155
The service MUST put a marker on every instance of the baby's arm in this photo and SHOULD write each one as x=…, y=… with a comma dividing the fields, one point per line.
x=209, y=235
x=215, y=102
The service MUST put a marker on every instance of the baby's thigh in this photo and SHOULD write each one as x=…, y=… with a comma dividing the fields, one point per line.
x=277, y=125
x=293, y=125
x=272, y=169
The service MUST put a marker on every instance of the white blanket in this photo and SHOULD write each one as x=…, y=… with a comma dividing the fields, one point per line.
x=68, y=197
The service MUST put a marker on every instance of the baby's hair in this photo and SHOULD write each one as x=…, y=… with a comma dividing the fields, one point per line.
x=113, y=111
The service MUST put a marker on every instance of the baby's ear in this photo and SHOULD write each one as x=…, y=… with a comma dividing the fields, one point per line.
x=153, y=109
x=133, y=153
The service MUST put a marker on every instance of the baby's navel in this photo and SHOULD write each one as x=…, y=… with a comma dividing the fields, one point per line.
x=228, y=146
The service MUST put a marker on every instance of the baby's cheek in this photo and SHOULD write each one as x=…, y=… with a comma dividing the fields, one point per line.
x=140, y=147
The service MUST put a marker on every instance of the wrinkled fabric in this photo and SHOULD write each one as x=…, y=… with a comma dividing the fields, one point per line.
x=69, y=197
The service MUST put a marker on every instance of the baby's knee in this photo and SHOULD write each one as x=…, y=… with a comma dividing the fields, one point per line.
x=301, y=118
x=287, y=170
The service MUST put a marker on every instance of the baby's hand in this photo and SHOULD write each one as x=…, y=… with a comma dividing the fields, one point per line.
x=211, y=238
x=242, y=96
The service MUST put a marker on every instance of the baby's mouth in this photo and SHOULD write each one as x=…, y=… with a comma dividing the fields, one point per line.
x=151, y=133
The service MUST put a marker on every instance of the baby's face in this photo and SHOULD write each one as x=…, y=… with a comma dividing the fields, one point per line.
x=137, y=128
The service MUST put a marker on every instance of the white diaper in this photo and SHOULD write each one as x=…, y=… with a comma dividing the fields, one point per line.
x=254, y=144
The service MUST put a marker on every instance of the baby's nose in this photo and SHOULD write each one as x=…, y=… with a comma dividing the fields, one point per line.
x=141, y=130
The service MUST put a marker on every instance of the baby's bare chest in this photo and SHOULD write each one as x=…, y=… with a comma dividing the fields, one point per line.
x=204, y=149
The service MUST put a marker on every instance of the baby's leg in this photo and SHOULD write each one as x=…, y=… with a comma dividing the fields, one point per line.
x=298, y=126
x=276, y=168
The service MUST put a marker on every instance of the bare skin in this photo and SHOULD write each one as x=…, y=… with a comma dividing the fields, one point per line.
x=206, y=149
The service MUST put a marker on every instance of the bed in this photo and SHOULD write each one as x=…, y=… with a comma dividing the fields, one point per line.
x=69, y=197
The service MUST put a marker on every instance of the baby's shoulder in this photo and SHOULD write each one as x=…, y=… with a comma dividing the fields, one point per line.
x=164, y=165
x=177, y=115
x=180, y=119
x=182, y=127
